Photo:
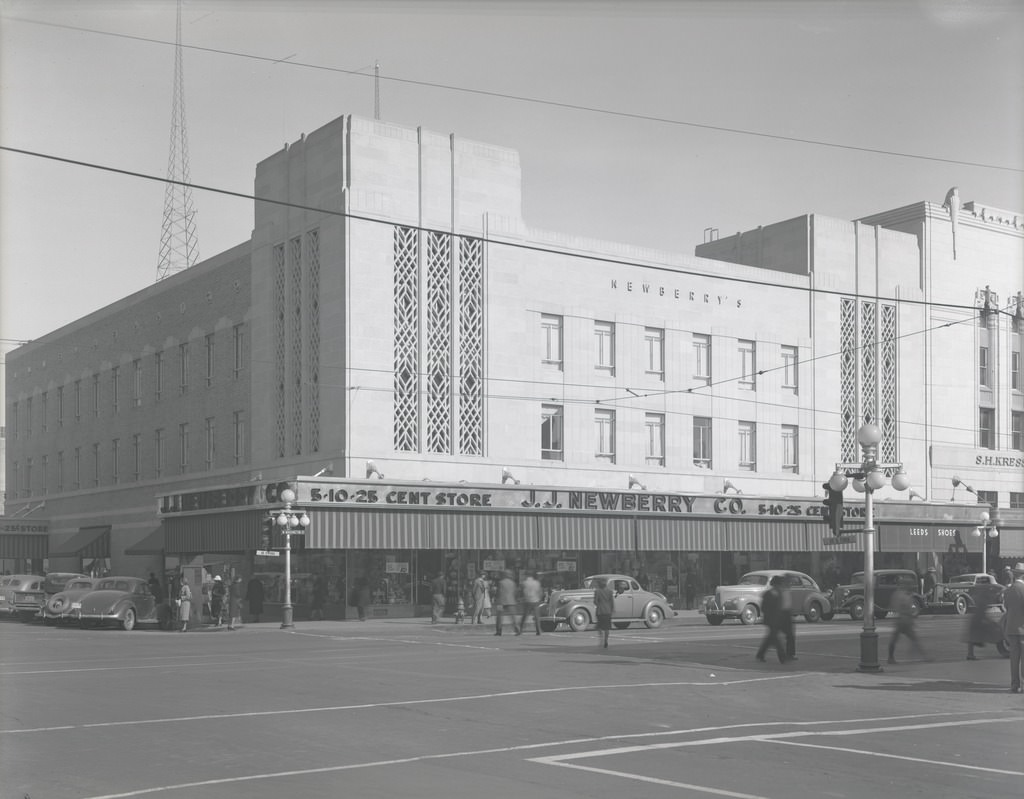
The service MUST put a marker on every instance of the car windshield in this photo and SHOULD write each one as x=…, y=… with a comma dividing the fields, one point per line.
x=858, y=578
x=962, y=578
x=75, y=585
x=113, y=585
x=754, y=579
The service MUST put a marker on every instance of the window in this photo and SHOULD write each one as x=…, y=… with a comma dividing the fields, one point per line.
x=986, y=428
x=60, y=471
x=1017, y=499
x=702, y=358
x=60, y=406
x=748, y=365
x=95, y=395
x=551, y=447
x=15, y=475
x=26, y=491
x=115, y=394
x=209, y=360
x=44, y=468
x=137, y=382
x=983, y=367
x=988, y=498
x=551, y=330
x=115, y=459
x=43, y=403
x=604, y=343
x=136, y=457
x=183, y=447
x=239, y=342
x=238, y=424
x=790, y=373
x=211, y=443
x=654, y=344
x=28, y=416
x=183, y=367
x=96, y=465
x=702, y=442
x=1016, y=429
x=604, y=423
x=76, y=465
x=14, y=420
x=654, y=427
x=78, y=400
x=158, y=364
x=748, y=446
x=1015, y=370
x=790, y=448
x=158, y=452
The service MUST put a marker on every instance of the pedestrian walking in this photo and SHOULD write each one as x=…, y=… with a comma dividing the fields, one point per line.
x=531, y=589
x=437, y=591
x=980, y=629
x=217, y=596
x=479, y=596
x=235, y=603
x=604, y=607
x=505, y=602
x=774, y=619
x=902, y=604
x=1013, y=601
x=254, y=596
x=318, y=599
x=691, y=590
x=788, y=628
x=184, y=603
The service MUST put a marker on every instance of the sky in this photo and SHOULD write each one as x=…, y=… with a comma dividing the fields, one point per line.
x=637, y=122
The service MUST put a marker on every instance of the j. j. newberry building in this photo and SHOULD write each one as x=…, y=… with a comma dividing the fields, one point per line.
x=446, y=389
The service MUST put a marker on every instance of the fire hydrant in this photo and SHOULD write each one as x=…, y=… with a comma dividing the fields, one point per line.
x=460, y=611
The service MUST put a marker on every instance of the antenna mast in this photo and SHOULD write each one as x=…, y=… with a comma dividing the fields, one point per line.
x=179, y=247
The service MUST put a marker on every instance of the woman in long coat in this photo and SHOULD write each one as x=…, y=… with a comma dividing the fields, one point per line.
x=184, y=603
x=254, y=596
x=235, y=603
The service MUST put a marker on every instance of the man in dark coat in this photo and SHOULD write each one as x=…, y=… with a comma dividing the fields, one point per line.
x=254, y=595
x=774, y=619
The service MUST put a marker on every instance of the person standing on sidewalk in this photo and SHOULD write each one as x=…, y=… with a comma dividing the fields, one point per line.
x=217, y=596
x=235, y=604
x=774, y=621
x=531, y=601
x=437, y=589
x=1013, y=601
x=788, y=630
x=906, y=620
x=184, y=603
x=479, y=592
x=604, y=607
x=505, y=600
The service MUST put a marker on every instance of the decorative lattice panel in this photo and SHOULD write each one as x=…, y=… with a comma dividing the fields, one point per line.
x=313, y=337
x=471, y=347
x=439, y=341
x=887, y=374
x=407, y=340
x=295, y=300
x=848, y=379
x=279, y=351
x=868, y=364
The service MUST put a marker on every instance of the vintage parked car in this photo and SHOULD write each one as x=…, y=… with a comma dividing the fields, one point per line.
x=125, y=600
x=30, y=602
x=11, y=585
x=64, y=605
x=960, y=592
x=575, y=608
x=850, y=598
x=743, y=600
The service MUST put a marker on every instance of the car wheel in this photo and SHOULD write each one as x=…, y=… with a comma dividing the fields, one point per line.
x=857, y=610
x=621, y=625
x=813, y=613
x=750, y=614
x=653, y=618
x=714, y=621
x=548, y=626
x=961, y=605
x=579, y=620
x=128, y=622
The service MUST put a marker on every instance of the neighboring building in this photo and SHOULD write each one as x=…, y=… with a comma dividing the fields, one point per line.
x=413, y=321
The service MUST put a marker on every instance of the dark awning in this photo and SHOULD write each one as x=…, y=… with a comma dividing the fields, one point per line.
x=89, y=542
x=214, y=532
x=29, y=545
x=152, y=544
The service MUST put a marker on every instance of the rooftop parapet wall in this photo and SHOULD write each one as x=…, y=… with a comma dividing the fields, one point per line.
x=782, y=246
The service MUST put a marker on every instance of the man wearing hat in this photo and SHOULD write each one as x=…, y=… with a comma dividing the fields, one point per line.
x=217, y=596
x=1013, y=601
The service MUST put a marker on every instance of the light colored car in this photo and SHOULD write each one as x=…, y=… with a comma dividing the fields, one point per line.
x=124, y=600
x=13, y=585
x=743, y=600
x=65, y=605
x=963, y=590
x=575, y=608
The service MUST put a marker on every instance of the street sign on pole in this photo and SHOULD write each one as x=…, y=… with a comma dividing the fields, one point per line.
x=268, y=553
x=836, y=540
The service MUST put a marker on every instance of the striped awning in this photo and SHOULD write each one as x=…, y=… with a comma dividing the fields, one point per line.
x=236, y=531
x=679, y=535
x=24, y=545
x=88, y=542
x=152, y=544
x=772, y=536
x=367, y=529
x=601, y=533
x=483, y=530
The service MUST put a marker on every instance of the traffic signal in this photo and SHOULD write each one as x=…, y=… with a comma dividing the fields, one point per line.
x=267, y=535
x=833, y=510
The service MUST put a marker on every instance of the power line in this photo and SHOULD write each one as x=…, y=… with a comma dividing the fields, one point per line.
x=539, y=101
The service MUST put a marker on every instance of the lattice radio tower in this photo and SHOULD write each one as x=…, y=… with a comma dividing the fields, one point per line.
x=179, y=246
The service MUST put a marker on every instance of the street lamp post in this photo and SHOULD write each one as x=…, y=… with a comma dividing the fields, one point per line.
x=868, y=476
x=989, y=528
x=291, y=521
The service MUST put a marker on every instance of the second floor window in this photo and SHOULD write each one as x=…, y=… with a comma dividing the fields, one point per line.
x=158, y=368
x=551, y=339
x=986, y=428
x=238, y=422
x=1017, y=429
x=702, y=358
x=748, y=365
x=654, y=430
x=96, y=465
x=183, y=367
x=211, y=443
x=60, y=406
x=551, y=447
x=1015, y=383
x=183, y=445
x=115, y=459
x=748, y=446
x=604, y=342
x=604, y=424
x=60, y=471
x=984, y=378
x=790, y=374
x=136, y=382
x=158, y=452
x=137, y=457
x=654, y=346
x=115, y=388
x=209, y=360
x=790, y=448
x=702, y=442
x=78, y=400
x=239, y=348
x=95, y=395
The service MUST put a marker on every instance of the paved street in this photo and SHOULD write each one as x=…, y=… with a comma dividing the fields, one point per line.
x=403, y=708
